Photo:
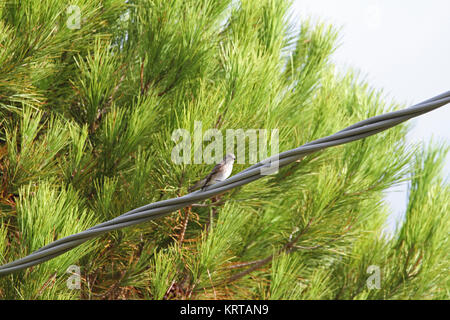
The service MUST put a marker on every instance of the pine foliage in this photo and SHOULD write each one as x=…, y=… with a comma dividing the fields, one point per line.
x=86, y=120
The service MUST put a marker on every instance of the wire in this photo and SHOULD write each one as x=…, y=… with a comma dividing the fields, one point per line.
x=357, y=131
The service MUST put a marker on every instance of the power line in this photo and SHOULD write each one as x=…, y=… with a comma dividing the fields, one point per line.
x=357, y=131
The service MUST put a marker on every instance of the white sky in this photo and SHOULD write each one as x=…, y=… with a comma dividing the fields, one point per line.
x=402, y=47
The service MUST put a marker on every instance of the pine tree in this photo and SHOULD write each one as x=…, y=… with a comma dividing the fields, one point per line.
x=90, y=95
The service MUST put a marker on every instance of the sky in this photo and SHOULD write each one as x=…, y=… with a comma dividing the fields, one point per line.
x=402, y=47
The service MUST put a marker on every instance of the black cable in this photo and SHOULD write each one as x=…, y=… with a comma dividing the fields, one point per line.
x=357, y=131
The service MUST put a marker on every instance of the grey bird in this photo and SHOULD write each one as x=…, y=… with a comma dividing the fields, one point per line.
x=219, y=173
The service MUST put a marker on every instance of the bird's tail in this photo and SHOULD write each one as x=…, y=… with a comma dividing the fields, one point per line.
x=199, y=184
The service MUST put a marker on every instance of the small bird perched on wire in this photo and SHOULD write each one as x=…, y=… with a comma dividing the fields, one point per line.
x=219, y=173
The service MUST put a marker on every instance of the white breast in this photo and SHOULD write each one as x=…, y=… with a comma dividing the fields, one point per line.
x=227, y=172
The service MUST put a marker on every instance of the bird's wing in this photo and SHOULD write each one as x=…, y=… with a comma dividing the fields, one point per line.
x=202, y=183
x=218, y=167
x=198, y=184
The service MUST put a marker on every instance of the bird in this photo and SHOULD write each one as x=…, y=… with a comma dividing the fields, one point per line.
x=220, y=172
